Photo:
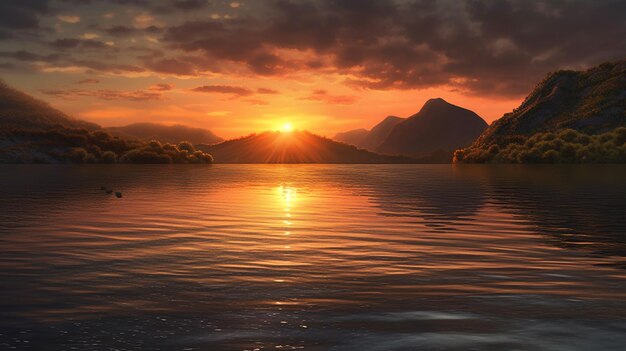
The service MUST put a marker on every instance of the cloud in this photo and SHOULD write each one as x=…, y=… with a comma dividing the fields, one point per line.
x=88, y=81
x=23, y=55
x=73, y=43
x=22, y=15
x=137, y=95
x=224, y=89
x=267, y=91
x=161, y=87
x=173, y=66
x=324, y=96
x=68, y=19
x=478, y=46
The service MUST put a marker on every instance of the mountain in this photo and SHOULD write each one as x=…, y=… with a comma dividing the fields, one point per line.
x=438, y=127
x=354, y=137
x=33, y=132
x=18, y=109
x=166, y=134
x=560, y=121
x=369, y=139
x=294, y=147
x=381, y=132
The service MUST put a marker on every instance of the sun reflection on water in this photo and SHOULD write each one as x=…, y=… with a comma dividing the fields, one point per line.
x=288, y=196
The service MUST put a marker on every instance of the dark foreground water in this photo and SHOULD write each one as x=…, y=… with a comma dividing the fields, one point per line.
x=389, y=257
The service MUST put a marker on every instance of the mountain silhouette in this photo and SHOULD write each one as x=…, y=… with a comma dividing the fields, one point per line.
x=369, y=139
x=354, y=137
x=294, y=147
x=438, y=127
x=565, y=113
x=166, y=134
x=18, y=109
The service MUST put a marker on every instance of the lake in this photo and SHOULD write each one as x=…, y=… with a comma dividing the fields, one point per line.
x=313, y=257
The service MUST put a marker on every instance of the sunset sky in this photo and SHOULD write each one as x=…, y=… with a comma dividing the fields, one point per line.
x=237, y=67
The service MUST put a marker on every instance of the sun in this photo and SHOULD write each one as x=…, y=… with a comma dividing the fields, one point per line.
x=287, y=128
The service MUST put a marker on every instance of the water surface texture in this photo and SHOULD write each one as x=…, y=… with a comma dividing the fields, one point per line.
x=314, y=257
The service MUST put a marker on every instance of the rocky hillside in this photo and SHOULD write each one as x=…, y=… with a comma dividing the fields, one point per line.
x=587, y=103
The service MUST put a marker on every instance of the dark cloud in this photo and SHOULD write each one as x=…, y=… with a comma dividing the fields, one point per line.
x=72, y=43
x=224, y=89
x=125, y=31
x=480, y=46
x=22, y=55
x=183, y=5
x=23, y=14
x=121, y=31
x=486, y=47
x=7, y=66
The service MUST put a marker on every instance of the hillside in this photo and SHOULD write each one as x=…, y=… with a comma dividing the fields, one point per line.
x=295, y=147
x=381, y=132
x=369, y=139
x=166, y=134
x=18, y=109
x=33, y=132
x=354, y=137
x=566, y=111
x=438, y=127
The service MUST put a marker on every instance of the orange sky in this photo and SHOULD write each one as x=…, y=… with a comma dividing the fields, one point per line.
x=242, y=66
x=340, y=108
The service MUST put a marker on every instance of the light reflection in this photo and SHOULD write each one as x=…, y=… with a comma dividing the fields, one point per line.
x=288, y=196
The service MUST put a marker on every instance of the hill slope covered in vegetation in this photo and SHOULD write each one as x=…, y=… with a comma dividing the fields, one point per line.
x=570, y=117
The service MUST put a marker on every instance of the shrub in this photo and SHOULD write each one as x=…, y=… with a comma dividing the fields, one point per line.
x=108, y=157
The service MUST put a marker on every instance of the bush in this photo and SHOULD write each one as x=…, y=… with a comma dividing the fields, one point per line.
x=185, y=145
x=145, y=156
x=108, y=157
x=567, y=146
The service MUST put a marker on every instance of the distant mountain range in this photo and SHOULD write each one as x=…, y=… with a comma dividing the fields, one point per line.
x=439, y=127
x=294, y=147
x=369, y=139
x=31, y=131
x=166, y=134
x=571, y=117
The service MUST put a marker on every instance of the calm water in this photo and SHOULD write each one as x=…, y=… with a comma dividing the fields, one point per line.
x=385, y=257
